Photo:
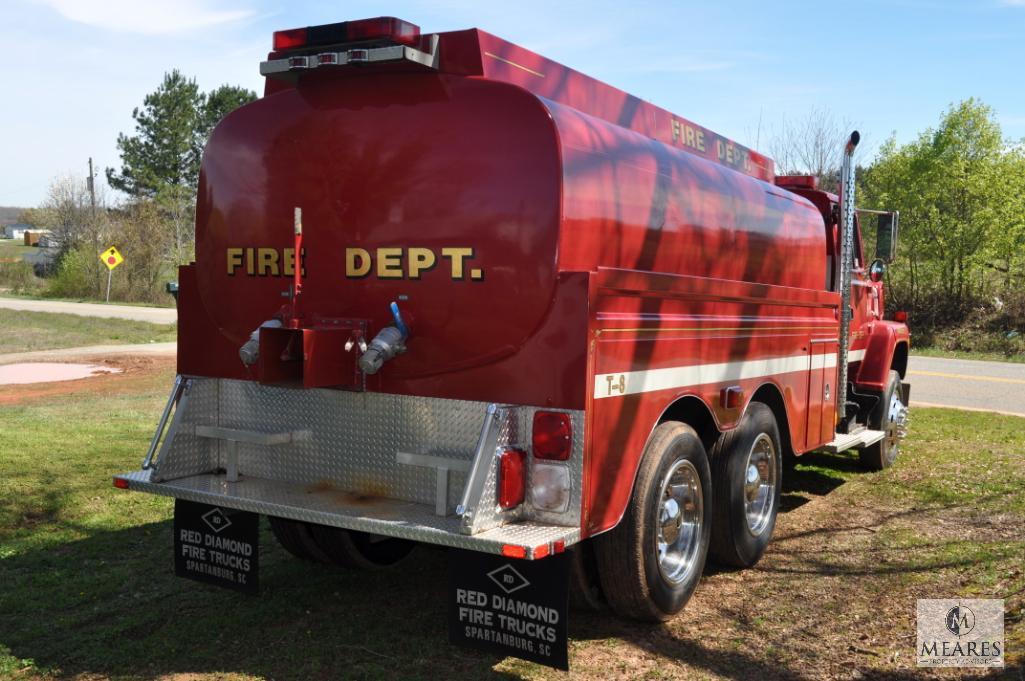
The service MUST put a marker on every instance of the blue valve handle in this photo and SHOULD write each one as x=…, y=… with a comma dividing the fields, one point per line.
x=399, y=324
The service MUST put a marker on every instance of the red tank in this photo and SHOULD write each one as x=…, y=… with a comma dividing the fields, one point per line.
x=481, y=197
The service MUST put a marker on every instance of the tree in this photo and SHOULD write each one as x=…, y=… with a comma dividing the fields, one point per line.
x=160, y=162
x=961, y=194
x=171, y=130
x=811, y=145
x=165, y=149
x=219, y=103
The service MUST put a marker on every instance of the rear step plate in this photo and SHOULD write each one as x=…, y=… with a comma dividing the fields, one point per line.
x=845, y=441
x=325, y=505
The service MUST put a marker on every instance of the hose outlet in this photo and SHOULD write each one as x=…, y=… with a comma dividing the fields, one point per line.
x=386, y=345
x=249, y=353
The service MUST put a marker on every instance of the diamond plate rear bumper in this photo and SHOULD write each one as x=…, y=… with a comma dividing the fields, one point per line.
x=327, y=506
x=410, y=467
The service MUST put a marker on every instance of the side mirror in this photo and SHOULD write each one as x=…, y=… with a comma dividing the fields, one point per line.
x=886, y=236
x=876, y=270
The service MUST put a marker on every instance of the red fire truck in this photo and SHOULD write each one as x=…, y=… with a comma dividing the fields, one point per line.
x=448, y=291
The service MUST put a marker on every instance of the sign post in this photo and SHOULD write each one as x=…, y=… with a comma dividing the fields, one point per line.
x=111, y=258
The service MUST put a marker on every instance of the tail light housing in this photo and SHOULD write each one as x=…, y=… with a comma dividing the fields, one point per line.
x=512, y=466
x=552, y=438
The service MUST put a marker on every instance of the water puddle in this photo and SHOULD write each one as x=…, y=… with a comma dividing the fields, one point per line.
x=49, y=372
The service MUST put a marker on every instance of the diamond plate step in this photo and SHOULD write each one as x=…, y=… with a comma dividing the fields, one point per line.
x=845, y=441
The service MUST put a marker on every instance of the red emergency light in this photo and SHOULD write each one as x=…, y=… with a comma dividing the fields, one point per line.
x=363, y=30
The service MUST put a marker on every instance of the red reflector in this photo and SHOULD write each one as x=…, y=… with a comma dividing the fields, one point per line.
x=511, y=478
x=553, y=435
x=541, y=551
x=900, y=316
x=290, y=39
x=513, y=551
x=559, y=546
x=120, y=483
x=383, y=27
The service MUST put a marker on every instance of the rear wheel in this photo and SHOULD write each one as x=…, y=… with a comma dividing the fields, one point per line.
x=746, y=463
x=891, y=417
x=359, y=550
x=651, y=562
x=296, y=537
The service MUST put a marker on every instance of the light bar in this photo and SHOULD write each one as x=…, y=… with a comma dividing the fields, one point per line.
x=363, y=30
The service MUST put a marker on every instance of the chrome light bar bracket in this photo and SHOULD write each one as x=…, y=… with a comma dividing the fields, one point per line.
x=289, y=68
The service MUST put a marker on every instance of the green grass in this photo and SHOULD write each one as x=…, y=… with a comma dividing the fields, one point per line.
x=87, y=584
x=965, y=354
x=26, y=331
x=15, y=248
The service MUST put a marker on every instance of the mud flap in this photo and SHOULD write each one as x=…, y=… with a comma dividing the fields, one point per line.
x=216, y=545
x=511, y=607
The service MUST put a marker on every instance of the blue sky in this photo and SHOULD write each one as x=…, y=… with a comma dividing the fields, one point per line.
x=76, y=68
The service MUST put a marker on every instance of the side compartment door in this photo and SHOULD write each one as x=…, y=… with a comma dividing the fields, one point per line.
x=822, y=392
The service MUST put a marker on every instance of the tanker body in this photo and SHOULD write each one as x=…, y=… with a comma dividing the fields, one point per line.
x=449, y=291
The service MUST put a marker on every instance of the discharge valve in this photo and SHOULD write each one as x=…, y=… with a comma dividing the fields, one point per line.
x=387, y=344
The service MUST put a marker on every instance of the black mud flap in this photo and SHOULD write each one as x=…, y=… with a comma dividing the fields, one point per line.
x=905, y=393
x=217, y=545
x=508, y=606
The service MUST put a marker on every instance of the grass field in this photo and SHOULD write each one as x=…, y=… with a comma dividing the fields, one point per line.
x=87, y=591
x=15, y=248
x=25, y=331
x=963, y=354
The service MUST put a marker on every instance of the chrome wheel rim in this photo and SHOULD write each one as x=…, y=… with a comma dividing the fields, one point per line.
x=679, y=515
x=760, y=484
x=897, y=418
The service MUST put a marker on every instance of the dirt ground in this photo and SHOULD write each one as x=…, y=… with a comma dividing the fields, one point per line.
x=137, y=374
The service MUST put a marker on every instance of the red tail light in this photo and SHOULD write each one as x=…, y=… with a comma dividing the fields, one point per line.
x=120, y=483
x=379, y=28
x=511, y=478
x=900, y=316
x=553, y=435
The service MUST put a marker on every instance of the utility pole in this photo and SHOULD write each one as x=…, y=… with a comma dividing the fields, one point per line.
x=92, y=188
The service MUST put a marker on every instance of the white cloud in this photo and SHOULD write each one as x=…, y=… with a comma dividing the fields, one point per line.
x=149, y=17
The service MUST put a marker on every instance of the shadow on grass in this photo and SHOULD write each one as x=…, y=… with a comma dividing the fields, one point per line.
x=110, y=604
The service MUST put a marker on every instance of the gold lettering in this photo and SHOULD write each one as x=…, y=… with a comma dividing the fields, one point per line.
x=676, y=130
x=389, y=263
x=267, y=262
x=234, y=260
x=690, y=136
x=357, y=262
x=249, y=261
x=420, y=260
x=701, y=140
x=457, y=256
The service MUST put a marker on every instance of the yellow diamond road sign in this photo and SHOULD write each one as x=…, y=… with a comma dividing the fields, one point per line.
x=111, y=258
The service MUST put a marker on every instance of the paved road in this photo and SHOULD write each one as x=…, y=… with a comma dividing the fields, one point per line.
x=90, y=351
x=967, y=384
x=154, y=315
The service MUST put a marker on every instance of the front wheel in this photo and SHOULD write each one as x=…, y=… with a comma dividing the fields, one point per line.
x=651, y=562
x=891, y=417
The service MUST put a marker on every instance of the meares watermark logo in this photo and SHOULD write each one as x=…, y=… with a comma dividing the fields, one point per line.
x=960, y=632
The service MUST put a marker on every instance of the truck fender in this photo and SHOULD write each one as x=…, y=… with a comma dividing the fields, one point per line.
x=883, y=339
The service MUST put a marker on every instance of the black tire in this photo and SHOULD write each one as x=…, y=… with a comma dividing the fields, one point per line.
x=359, y=550
x=584, y=585
x=882, y=454
x=296, y=537
x=735, y=541
x=628, y=555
